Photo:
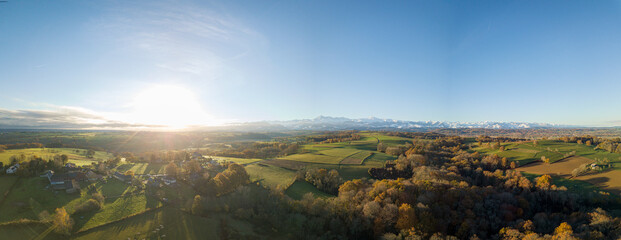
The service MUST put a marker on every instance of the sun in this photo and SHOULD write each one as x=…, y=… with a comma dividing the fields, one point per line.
x=167, y=105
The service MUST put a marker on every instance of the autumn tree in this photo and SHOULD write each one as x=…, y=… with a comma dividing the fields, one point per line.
x=197, y=205
x=62, y=222
x=407, y=217
x=543, y=182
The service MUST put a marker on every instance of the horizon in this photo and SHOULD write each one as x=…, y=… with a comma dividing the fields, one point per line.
x=179, y=64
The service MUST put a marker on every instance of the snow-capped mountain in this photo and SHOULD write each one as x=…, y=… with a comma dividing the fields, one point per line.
x=373, y=123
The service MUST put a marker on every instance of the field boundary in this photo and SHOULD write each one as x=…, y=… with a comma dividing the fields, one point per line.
x=370, y=155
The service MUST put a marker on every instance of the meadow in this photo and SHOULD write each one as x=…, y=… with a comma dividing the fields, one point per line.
x=352, y=159
x=76, y=155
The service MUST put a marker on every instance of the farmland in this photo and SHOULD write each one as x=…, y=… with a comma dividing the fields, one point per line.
x=564, y=157
x=77, y=156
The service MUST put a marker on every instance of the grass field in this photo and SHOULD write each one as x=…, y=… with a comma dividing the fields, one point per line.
x=236, y=160
x=609, y=180
x=271, y=176
x=29, y=198
x=356, y=158
x=5, y=183
x=526, y=152
x=115, y=209
x=143, y=168
x=351, y=159
x=172, y=224
x=574, y=185
x=299, y=188
x=78, y=157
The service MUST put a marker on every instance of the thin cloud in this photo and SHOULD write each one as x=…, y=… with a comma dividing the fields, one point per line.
x=62, y=118
x=184, y=39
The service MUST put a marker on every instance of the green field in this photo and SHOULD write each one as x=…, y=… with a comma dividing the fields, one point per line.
x=172, y=224
x=352, y=159
x=29, y=198
x=299, y=188
x=271, y=176
x=356, y=158
x=79, y=157
x=143, y=168
x=115, y=209
x=5, y=184
x=555, y=150
x=236, y=160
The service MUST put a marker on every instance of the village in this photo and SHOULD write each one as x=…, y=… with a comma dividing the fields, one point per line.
x=71, y=178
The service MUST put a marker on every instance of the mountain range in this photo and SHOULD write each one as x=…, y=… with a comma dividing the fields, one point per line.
x=326, y=123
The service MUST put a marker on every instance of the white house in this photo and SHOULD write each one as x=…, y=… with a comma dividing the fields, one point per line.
x=12, y=169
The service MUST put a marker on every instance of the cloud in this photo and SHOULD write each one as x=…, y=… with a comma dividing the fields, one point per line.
x=180, y=38
x=62, y=118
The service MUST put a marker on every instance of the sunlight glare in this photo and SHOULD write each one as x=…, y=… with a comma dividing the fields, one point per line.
x=171, y=106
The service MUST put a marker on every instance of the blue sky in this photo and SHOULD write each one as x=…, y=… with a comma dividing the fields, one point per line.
x=534, y=61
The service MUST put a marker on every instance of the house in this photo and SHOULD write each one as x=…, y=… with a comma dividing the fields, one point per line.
x=12, y=169
x=47, y=174
x=122, y=177
x=169, y=180
x=65, y=181
x=197, y=156
x=92, y=176
x=154, y=182
x=71, y=165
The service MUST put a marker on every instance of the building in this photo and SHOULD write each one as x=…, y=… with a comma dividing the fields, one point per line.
x=47, y=174
x=71, y=165
x=92, y=176
x=169, y=180
x=12, y=169
x=122, y=177
x=66, y=181
x=197, y=156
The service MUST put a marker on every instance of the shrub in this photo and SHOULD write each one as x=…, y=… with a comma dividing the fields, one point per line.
x=90, y=205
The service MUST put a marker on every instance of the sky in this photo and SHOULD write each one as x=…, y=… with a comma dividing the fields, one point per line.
x=178, y=63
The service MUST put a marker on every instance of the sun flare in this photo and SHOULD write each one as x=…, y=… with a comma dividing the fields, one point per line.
x=171, y=106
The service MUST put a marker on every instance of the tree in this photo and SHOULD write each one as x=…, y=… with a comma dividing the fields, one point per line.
x=407, y=217
x=62, y=222
x=544, y=181
x=545, y=159
x=64, y=158
x=172, y=169
x=564, y=227
x=90, y=153
x=197, y=205
x=192, y=167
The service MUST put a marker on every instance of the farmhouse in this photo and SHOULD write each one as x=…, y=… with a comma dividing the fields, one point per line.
x=47, y=174
x=169, y=180
x=12, y=169
x=122, y=177
x=197, y=156
x=71, y=165
x=92, y=176
x=66, y=181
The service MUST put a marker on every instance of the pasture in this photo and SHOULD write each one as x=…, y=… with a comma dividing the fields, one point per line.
x=143, y=168
x=76, y=155
x=299, y=188
x=242, y=161
x=356, y=158
x=271, y=176
x=167, y=223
